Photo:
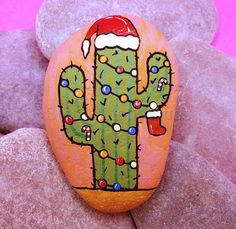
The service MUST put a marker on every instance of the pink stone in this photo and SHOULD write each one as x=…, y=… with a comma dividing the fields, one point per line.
x=34, y=192
x=205, y=118
x=193, y=194
x=57, y=19
x=21, y=74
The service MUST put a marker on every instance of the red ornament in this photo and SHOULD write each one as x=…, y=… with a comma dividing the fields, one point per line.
x=137, y=104
x=102, y=183
x=68, y=120
x=119, y=69
x=120, y=160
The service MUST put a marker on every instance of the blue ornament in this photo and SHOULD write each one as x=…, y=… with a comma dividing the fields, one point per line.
x=64, y=83
x=132, y=130
x=106, y=89
x=116, y=186
x=154, y=69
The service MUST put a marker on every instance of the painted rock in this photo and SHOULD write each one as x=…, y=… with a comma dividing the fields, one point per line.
x=111, y=90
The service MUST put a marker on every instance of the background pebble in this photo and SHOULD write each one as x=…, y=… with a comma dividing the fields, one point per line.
x=57, y=19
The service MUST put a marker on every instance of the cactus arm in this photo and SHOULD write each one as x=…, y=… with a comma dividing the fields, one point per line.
x=159, y=81
x=72, y=104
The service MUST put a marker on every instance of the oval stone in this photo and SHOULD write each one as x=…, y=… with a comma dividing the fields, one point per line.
x=114, y=165
x=197, y=18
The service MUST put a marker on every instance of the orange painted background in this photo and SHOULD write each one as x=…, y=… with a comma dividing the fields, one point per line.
x=75, y=160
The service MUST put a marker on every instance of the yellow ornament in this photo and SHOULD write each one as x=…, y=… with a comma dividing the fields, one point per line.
x=103, y=154
x=101, y=118
x=166, y=63
x=103, y=59
x=78, y=93
x=123, y=98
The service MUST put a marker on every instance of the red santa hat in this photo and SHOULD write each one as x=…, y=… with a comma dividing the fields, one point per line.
x=112, y=31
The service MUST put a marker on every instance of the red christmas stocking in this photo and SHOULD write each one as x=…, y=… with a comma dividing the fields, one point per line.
x=154, y=123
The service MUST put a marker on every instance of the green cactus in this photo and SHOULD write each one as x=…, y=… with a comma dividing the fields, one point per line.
x=112, y=132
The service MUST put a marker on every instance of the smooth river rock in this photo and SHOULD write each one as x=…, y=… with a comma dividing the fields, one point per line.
x=205, y=118
x=34, y=192
x=193, y=194
x=57, y=19
x=122, y=150
x=21, y=74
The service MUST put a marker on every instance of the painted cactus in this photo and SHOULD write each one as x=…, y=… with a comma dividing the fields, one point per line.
x=112, y=131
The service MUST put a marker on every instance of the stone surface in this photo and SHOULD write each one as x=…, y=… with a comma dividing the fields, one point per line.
x=21, y=73
x=57, y=19
x=34, y=192
x=205, y=118
x=112, y=183
x=193, y=194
